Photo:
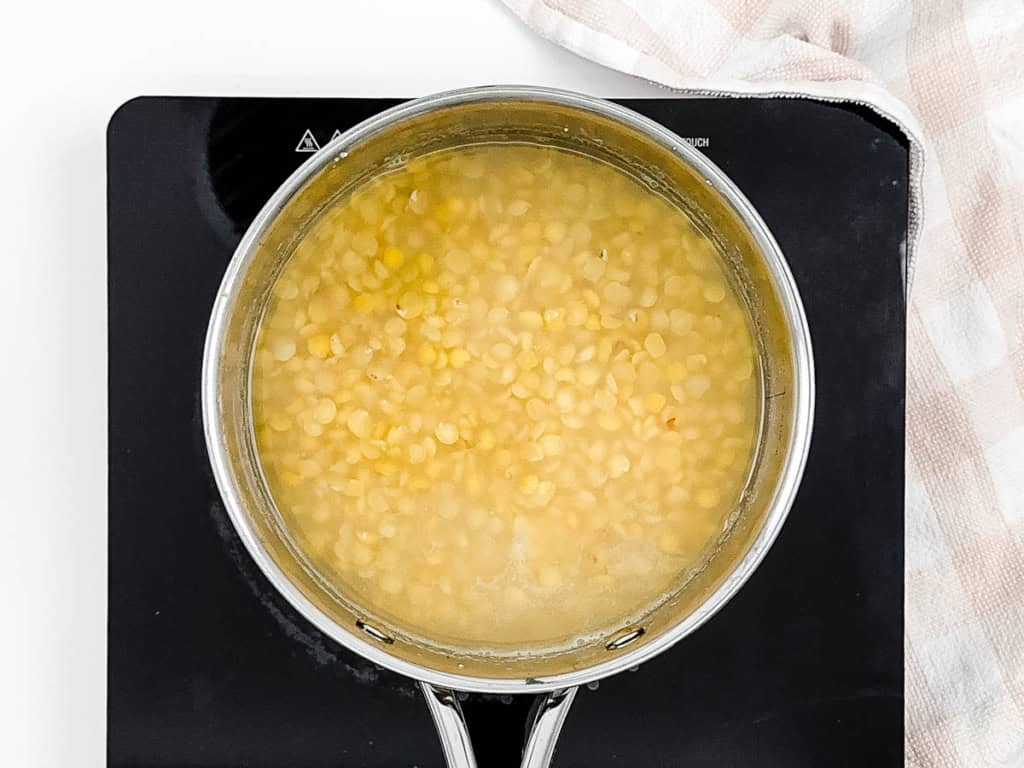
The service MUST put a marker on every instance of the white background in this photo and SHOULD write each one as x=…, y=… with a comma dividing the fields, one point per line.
x=64, y=69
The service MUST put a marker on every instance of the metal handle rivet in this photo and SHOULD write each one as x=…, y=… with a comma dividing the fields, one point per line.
x=625, y=639
x=375, y=633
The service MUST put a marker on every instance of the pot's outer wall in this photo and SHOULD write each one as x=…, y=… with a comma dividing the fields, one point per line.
x=209, y=667
x=574, y=122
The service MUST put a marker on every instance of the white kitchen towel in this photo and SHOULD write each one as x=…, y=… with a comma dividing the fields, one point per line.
x=950, y=73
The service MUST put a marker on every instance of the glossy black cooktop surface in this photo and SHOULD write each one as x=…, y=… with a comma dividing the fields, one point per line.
x=209, y=667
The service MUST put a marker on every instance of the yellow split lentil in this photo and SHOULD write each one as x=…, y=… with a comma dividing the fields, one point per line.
x=505, y=395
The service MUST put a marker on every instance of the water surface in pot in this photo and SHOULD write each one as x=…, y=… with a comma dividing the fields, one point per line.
x=505, y=395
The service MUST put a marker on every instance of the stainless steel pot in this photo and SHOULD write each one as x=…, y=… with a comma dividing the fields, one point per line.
x=664, y=162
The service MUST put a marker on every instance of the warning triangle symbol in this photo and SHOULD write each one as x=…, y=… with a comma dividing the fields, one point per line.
x=336, y=134
x=307, y=143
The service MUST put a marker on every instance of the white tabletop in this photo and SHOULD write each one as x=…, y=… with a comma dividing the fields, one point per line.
x=65, y=68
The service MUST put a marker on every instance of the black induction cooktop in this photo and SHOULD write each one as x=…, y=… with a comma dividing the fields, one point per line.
x=207, y=666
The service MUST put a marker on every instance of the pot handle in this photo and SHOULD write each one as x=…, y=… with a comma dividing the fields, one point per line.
x=545, y=725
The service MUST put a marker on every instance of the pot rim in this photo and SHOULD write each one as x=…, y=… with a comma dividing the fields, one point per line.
x=802, y=387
